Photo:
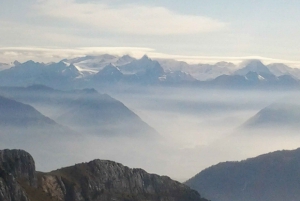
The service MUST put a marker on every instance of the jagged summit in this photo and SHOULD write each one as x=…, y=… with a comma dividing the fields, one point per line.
x=16, y=63
x=145, y=57
x=253, y=66
x=94, y=181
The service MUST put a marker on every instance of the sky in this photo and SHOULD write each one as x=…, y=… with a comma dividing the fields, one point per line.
x=200, y=30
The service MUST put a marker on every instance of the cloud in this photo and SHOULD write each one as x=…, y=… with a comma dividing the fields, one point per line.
x=128, y=19
x=22, y=54
x=52, y=54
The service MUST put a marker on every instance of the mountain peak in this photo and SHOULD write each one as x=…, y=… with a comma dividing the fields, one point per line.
x=126, y=56
x=30, y=62
x=97, y=180
x=145, y=57
x=16, y=63
x=253, y=66
x=110, y=65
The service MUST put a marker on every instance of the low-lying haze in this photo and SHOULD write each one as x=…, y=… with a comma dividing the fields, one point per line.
x=197, y=128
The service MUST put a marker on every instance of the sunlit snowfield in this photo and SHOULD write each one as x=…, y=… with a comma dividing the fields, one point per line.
x=198, y=128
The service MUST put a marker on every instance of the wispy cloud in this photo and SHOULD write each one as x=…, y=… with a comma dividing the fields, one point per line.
x=9, y=54
x=22, y=54
x=127, y=19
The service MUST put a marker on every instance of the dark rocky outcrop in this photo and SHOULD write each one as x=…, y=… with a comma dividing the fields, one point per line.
x=16, y=166
x=93, y=181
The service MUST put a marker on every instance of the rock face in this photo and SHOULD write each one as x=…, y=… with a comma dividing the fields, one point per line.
x=16, y=167
x=93, y=181
x=107, y=180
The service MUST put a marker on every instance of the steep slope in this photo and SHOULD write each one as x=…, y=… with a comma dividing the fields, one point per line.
x=278, y=115
x=21, y=124
x=14, y=114
x=142, y=71
x=16, y=167
x=109, y=74
x=93, y=181
x=270, y=177
x=100, y=114
x=86, y=111
x=253, y=66
x=280, y=69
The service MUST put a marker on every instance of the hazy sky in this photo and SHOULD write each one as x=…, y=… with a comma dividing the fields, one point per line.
x=200, y=28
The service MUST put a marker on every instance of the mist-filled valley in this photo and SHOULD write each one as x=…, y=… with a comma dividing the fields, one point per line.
x=165, y=130
x=149, y=100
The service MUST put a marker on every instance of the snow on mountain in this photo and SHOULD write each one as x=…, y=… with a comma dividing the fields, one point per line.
x=279, y=69
x=141, y=66
x=198, y=71
x=93, y=64
x=253, y=66
x=109, y=73
x=30, y=72
x=177, y=77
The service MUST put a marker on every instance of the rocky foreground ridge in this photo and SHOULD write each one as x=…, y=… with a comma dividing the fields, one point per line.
x=97, y=180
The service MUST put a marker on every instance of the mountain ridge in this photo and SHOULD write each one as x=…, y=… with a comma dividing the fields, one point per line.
x=268, y=177
x=96, y=180
x=108, y=70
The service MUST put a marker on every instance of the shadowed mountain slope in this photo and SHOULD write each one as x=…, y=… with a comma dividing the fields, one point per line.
x=23, y=120
x=86, y=111
x=101, y=114
x=277, y=115
x=269, y=177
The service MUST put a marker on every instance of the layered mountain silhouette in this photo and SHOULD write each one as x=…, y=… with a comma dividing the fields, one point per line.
x=21, y=121
x=108, y=70
x=255, y=75
x=282, y=114
x=85, y=111
x=269, y=177
x=94, y=181
x=57, y=75
x=142, y=71
x=13, y=113
x=100, y=114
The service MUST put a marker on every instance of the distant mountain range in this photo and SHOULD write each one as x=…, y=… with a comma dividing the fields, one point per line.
x=108, y=70
x=85, y=111
x=269, y=177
